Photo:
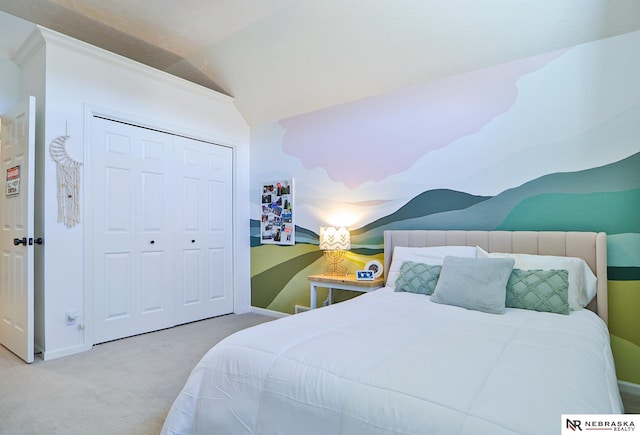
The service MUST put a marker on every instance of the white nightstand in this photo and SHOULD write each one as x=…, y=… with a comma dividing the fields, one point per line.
x=348, y=282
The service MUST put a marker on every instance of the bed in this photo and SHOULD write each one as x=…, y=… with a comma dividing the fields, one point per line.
x=394, y=361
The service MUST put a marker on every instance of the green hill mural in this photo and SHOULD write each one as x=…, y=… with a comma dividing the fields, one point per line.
x=605, y=198
x=493, y=213
x=427, y=203
x=577, y=212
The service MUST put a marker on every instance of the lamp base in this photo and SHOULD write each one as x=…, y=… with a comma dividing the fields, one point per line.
x=335, y=266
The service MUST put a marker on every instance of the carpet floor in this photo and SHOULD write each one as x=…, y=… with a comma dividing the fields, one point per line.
x=122, y=387
x=631, y=403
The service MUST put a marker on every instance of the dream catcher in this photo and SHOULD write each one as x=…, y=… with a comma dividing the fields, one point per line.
x=68, y=174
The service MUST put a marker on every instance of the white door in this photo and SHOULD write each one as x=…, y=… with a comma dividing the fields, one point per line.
x=204, y=241
x=16, y=240
x=132, y=190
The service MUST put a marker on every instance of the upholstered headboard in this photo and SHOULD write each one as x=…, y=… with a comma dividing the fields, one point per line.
x=590, y=246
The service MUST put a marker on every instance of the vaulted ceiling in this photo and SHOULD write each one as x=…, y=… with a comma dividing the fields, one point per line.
x=280, y=58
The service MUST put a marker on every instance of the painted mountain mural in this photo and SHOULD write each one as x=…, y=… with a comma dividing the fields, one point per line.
x=598, y=199
x=605, y=198
x=548, y=142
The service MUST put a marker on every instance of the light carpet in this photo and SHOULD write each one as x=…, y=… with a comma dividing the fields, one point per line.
x=121, y=387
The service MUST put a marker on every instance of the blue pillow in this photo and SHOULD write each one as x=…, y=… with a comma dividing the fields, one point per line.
x=474, y=283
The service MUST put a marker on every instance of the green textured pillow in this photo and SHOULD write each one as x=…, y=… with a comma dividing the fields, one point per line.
x=417, y=278
x=539, y=290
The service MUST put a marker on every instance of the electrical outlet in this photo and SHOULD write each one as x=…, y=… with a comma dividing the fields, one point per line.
x=71, y=317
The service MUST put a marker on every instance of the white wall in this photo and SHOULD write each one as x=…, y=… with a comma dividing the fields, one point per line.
x=80, y=79
x=13, y=32
x=9, y=84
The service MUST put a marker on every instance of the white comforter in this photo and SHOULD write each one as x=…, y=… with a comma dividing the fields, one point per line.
x=396, y=363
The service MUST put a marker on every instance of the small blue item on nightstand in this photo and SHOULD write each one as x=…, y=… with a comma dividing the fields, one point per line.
x=364, y=275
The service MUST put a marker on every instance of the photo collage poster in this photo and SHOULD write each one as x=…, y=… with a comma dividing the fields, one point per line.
x=276, y=224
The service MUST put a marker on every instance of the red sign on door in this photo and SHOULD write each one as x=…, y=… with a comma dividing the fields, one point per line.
x=13, y=181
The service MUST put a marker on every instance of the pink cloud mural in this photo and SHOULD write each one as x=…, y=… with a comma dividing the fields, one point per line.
x=373, y=138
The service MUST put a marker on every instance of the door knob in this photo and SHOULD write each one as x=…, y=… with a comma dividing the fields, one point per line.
x=22, y=241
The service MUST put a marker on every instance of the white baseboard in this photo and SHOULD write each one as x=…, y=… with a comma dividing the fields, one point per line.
x=629, y=387
x=301, y=308
x=266, y=312
x=47, y=355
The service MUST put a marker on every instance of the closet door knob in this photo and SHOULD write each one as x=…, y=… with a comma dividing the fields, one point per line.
x=193, y=241
x=152, y=242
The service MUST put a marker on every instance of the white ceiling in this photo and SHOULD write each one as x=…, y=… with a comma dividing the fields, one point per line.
x=280, y=58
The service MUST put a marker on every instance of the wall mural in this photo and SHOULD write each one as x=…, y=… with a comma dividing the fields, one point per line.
x=544, y=143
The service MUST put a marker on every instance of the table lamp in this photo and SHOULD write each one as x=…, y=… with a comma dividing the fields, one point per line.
x=335, y=241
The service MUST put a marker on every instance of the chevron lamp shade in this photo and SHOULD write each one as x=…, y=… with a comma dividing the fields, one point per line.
x=335, y=241
x=335, y=238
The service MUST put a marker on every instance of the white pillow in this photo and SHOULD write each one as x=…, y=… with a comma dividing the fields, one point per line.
x=582, y=281
x=433, y=255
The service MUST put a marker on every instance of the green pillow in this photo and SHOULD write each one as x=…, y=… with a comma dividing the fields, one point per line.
x=539, y=290
x=417, y=278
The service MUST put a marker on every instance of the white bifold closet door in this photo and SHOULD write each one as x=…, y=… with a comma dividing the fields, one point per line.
x=203, y=243
x=162, y=229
